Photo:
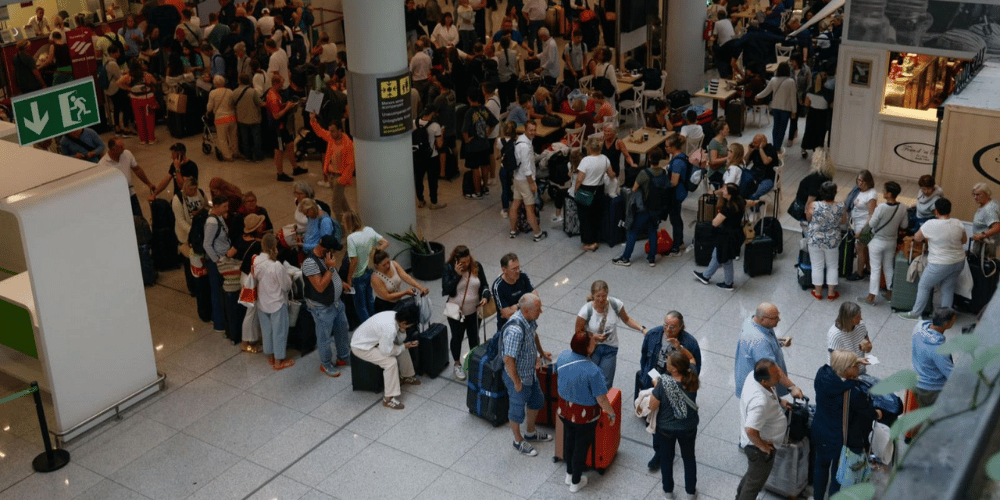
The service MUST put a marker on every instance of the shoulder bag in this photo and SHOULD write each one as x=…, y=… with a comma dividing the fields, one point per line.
x=248, y=292
x=853, y=468
x=453, y=310
x=867, y=234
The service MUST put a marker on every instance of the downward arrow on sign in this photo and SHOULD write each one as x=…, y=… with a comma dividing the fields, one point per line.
x=36, y=124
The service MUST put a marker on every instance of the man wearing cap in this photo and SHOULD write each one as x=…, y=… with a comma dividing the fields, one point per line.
x=323, y=298
x=122, y=159
x=26, y=73
x=181, y=168
x=425, y=157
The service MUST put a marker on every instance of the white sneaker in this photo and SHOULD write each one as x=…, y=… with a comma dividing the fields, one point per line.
x=503, y=214
x=459, y=372
x=557, y=218
x=323, y=184
x=569, y=478
x=573, y=488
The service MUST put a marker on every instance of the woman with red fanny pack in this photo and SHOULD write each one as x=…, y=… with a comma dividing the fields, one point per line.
x=140, y=89
x=582, y=397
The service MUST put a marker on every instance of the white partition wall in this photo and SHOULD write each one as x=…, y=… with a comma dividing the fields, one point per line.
x=81, y=284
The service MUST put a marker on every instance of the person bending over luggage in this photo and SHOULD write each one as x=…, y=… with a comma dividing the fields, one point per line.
x=835, y=382
x=582, y=397
x=387, y=282
x=825, y=216
x=727, y=230
x=600, y=317
x=464, y=283
x=380, y=340
x=762, y=158
x=522, y=349
x=674, y=396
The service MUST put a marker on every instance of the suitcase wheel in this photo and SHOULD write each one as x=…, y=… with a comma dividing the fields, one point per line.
x=206, y=148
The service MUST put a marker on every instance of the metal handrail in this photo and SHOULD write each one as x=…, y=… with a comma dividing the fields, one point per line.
x=59, y=435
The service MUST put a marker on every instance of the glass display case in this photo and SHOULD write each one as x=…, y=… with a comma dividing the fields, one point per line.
x=917, y=84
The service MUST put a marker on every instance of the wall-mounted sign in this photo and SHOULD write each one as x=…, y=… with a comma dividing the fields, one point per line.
x=395, y=111
x=987, y=162
x=916, y=152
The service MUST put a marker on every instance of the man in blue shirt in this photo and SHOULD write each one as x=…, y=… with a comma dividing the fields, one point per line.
x=677, y=171
x=933, y=369
x=757, y=342
x=521, y=349
x=83, y=144
x=508, y=288
x=217, y=64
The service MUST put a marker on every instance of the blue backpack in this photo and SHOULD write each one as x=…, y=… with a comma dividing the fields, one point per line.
x=748, y=185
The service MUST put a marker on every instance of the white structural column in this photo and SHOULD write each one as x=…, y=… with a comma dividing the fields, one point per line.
x=376, y=36
x=685, y=47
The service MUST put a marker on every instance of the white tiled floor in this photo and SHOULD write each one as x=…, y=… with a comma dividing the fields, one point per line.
x=227, y=426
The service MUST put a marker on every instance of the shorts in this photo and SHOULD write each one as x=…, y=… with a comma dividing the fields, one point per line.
x=522, y=191
x=530, y=395
x=476, y=159
x=284, y=139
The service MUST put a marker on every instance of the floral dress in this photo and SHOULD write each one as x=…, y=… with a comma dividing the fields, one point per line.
x=824, y=228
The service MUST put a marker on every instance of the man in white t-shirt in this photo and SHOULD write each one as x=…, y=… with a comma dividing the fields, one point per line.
x=265, y=25
x=123, y=160
x=425, y=157
x=524, y=182
x=277, y=62
x=762, y=426
x=723, y=31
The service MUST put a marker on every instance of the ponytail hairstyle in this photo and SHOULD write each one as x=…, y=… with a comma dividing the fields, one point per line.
x=689, y=378
x=595, y=287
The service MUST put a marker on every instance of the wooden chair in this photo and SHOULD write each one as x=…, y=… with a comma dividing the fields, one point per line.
x=574, y=137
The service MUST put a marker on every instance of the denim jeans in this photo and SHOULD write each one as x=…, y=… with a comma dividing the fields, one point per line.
x=665, y=448
x=827, y=457
x=765, y=186
x=331, y=324
x=781, y=119
x=606, y=358
x=364, y=298
x=250, y=140
x=649, y=223
x=727, y=268
x=274, y=331
x=945, y=275
x=506, y=189
x=215, y=284
x=530, y=396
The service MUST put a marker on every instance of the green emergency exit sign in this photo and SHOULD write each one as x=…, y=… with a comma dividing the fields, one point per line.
x=53, y=111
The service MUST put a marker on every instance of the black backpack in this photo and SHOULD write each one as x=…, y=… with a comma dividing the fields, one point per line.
x=657, y=193
x=559, y=169
x=116, y=42
x=421, y=142
x=507, y=158
x=196, y=237
x=603, y=83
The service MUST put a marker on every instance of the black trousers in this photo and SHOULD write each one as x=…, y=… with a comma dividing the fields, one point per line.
x=431, y=167
x=577, y=440
x=590, y=216
x=459, y=329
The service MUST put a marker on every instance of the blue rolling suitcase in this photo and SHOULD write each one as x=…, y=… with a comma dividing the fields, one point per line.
x=613, y=220
x=487, y=394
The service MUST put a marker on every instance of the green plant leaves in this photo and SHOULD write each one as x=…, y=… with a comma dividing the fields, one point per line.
x=863, y=491
x=964, y=343
x=993, y=467
x=899, y=381
x=985, y=358
x=910, y=420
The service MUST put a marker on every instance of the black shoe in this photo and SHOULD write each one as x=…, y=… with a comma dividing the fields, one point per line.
x=854, y=277
x=284, y=178
x=725, y=286
x=700, y=277
x=540, y=236
x=300, y=171
x=654, y=465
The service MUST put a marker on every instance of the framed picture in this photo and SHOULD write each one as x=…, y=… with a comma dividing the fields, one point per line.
x=861, y=73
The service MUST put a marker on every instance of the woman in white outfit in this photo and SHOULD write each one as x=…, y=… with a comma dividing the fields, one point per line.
x=273, y=285
x=886, y=222
x=861, y=210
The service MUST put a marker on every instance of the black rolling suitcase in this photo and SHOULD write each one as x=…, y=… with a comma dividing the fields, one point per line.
x=984, y=281
x=143, y=236
x=468, y=183
x=772, y=228
x=432, y=350
x=704, y=243
x=366, y=376
x=804, y=270
x=302, y=336
x=164, y=242
x=845, y=255
x=736, y=116
x=613, y=220
x=487, y=395
x=758, y=256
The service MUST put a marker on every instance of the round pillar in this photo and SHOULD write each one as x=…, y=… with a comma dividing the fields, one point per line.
x=685, y=47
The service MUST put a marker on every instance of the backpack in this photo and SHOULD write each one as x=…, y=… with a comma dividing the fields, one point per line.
x=693, y=176
x=102, y=76
x=748, y=185
x=559, y=169
x=421, y=142
x=116, y=42
x=507, y=158
x=657, y=193
x=196, y=237
x=603, y=83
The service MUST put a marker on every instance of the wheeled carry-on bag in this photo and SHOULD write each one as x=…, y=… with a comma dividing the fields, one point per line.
x=432, y=347
x=548, y=379
x=607, y=437
x=904, y=293
x=984, y=272
x=736, y=116
x=613, y=220
x=487, y=395
x=707, y=204
x=704, y=243
x=366, y=376
x=758, y=256
x=790, y=473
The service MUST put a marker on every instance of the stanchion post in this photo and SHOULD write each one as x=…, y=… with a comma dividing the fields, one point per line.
x=51, y=459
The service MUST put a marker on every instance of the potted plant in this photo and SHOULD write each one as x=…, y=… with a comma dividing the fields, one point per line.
x=426, y=258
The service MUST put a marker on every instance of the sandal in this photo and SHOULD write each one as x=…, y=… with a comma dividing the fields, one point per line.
x=835, y=296
x=513, y=234
x=818, y=296
x=285, y=363
x=250, y=348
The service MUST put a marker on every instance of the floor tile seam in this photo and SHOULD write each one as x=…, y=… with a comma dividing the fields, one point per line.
x=310, y=450
x=108, y=476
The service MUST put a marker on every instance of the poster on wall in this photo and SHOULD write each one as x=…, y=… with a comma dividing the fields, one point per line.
x=395, y=111
x=934, y=27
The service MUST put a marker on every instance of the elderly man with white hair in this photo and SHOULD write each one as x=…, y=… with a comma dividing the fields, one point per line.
x=757, y=342
x=548, y=57
x=220, y=102
x=521, y=350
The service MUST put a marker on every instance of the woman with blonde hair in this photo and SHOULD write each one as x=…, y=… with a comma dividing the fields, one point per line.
x=599, y=318
x=361, y=242
x=818, y=118
x=220, y=103
x=734, y=164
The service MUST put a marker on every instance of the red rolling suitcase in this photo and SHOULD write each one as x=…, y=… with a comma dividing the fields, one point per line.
x=548, y=379
x=606, y=440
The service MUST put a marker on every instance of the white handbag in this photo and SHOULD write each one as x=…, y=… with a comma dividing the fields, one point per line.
x=451, y=310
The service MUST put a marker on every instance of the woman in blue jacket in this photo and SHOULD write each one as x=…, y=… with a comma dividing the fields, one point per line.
x=832, y=380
